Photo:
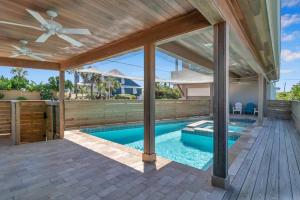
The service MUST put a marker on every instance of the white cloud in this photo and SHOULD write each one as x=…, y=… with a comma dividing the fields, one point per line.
x=288, y=19
x=289, y=36
x=288, y=55
x=286, y=71
x=290, y=3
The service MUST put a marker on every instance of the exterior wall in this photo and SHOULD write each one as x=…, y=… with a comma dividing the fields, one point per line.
x=243, y=92
x=100, y=112
x=190, y=89
x=14, y=94
x=270, y=91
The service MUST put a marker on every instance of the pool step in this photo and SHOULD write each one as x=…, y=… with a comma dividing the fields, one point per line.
x=207, y=132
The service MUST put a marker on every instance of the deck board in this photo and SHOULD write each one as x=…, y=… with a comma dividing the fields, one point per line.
x=271, y=169
x=284, y=176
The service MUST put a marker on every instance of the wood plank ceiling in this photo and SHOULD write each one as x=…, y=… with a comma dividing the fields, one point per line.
x=108, y=21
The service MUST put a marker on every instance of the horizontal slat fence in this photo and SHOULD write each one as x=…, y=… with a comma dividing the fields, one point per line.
x=5, y=117
x=296, y=113
x=279, y=109
x=32, y=121
x=92, y=113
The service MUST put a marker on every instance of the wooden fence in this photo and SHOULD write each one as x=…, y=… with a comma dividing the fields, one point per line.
x=296, y=113
x=92, y=113
x=32, y=121
x=5, y=117
x=28, y=121
x=278, y=109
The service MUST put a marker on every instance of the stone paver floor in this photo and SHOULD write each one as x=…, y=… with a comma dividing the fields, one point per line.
x=85, y=167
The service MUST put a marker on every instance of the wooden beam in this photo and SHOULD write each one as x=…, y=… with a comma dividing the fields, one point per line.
x=178, y=50
x=149, y=103
x=61, y=104
x=220, y=108
x=17, y=62
x=171, y=28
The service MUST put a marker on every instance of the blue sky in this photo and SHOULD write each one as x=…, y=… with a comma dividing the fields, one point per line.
x=131, y=64
x=290, y=43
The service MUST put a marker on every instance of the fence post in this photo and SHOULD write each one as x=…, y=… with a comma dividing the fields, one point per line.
x=15, y=122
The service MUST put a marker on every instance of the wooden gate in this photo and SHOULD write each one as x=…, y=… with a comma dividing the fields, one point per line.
x=32, y=121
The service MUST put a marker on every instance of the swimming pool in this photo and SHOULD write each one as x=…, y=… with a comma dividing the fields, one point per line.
x=170, y=141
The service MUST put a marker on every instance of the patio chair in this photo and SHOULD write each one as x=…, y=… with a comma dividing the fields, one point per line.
x=250, y=108
x=238, y=107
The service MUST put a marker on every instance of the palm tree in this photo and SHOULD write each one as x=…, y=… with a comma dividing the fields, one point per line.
x=69, y=86
x=112, y=85
x=19, y=72
x=89, y=78
x=82, y=90
x=76, y=80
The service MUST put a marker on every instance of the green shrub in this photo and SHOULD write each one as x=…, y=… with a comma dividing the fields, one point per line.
x=21, y=98
x=1, y=96
x=125, y=96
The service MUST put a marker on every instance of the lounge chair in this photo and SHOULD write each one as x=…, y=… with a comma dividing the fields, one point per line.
x=250, y=108
x=238, y=107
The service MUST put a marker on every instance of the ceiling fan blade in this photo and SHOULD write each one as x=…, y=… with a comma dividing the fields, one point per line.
x=43, y=37
x=37, y=16
x=70, y=40
x=21, y=25
x=36, y=57
x=16, y=47
x=42, y=54
x=78, y=31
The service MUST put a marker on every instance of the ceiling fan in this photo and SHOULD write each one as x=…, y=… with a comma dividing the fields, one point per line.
x=51, y=27
x=22, y=50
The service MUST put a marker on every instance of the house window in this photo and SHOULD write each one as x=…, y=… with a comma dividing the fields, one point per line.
x=123, y=81
x=122, y=90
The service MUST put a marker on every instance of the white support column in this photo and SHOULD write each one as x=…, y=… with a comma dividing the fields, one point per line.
x=61, y=104
x=149, y=103
x=220, y=105
x=261, y=88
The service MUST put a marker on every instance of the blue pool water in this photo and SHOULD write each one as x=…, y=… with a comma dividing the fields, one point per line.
x=170, y=142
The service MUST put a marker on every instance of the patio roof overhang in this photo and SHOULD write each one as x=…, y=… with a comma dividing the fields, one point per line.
x=181, y=28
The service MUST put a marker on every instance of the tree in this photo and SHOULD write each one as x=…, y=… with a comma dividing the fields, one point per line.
x=19, y=72
x=112, y=85
x=69, y=86
x=163, y=91
x=19, y=80
x=76, y=80
x=5, y=83
x=53, y=82
x=294, y=94
x=82, y=90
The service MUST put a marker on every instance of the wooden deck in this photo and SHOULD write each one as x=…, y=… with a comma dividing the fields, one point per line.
x=84, y=167
x=270, y=170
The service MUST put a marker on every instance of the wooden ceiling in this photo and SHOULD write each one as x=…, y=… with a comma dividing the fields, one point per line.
x=122, y=25
x=108, y=20
x=201, y=43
